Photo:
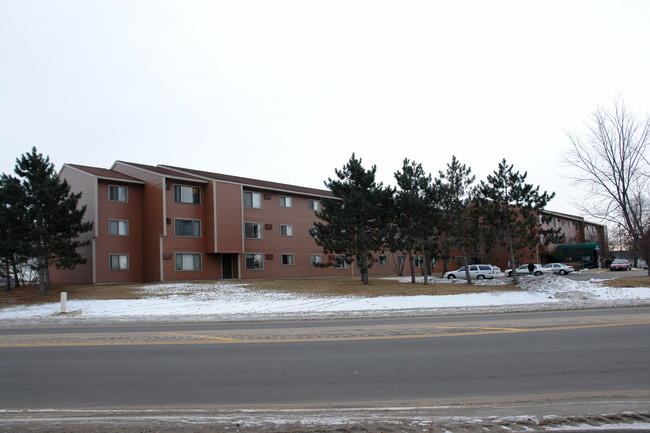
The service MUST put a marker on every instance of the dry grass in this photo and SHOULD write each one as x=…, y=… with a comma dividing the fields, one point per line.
x=315, y=286
x=628, y=282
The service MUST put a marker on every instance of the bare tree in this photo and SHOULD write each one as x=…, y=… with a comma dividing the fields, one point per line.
x=610, y=159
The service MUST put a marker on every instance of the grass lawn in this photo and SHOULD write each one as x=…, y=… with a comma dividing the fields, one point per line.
x=316, y=286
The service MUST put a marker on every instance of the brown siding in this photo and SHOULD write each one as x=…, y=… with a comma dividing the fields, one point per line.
x=107, y=244
x=229, y=217
x=152, y=219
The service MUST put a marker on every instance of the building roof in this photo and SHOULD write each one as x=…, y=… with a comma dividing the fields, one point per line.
x=162, y=171
x=103, y=173
x=261, y=184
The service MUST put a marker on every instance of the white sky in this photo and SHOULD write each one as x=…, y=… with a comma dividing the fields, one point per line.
x=287, y=90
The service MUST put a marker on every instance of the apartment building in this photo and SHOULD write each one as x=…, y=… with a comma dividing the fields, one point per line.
x=163, y=223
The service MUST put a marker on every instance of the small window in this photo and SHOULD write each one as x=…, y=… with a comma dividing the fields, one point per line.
x=287, y=259
x=312, y=232
x=286, y=230
x=419, y=261
x=401, y=260
x=118, y=228
x=254, y=262
x=382, y=260
x=189, y=228
x=253, y=199
x=314, y=205
x=187, y=194
x=188, y=262
x=119, y=262
x=253, y=230
x=285, y=201
x=117, y=193
x=341, y=262
x=315, y=259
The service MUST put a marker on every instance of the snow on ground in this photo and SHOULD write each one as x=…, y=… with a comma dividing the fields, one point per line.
x=228, y=301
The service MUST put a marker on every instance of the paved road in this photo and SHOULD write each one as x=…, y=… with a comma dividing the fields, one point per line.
x=590, y=354
x=605, y=274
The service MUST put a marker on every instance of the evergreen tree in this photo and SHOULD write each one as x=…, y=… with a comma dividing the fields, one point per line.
x=460, y=217
x=415, y=215
x=53, y=214
x=510, y=208
x=13, y=228
x=354, y=223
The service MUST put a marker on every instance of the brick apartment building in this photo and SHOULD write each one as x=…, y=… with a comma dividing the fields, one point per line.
x=163, y=223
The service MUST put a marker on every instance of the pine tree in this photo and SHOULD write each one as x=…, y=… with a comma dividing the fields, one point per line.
x=460, y=216
x=13, y=229
x=354, y=224
x=53, y=214
x=510, y=209
x=416, y=215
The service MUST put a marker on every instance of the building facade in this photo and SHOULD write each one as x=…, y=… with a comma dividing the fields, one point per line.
x=163, y=223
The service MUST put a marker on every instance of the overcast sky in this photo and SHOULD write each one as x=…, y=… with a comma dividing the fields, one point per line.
x=287, y=90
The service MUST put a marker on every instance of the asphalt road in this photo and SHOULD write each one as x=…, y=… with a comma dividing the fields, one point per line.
x=586, y=354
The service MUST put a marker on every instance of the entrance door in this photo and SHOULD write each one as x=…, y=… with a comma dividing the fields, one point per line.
x=226, y=266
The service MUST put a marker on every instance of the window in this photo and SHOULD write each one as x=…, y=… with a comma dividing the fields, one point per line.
x=315, y=259
x=253, y=199
x=312, y=232
x=187, y=194
x=401, y=260
x=190, y=228
x=254, y=262
x=188, y=262
x=286, y=230
x=253, y=230
x=418, y=261
x=118, y=228
x=314, y=205
x=341, y=262
x=382, y=260
x=287, y=259
x=285, y=201
x=118, y=262
x=117, y=193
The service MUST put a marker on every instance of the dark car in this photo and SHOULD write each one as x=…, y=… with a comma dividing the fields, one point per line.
x=620, y=265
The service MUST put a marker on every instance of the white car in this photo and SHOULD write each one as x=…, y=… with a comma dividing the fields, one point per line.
x=477, y=272
x=560, y=268
x=523, y=270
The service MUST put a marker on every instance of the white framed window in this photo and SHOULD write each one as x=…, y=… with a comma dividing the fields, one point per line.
x=286, y=230
x=287, y=259
x=254, y=262
x=382, y=260
x=285, y=201
x=253, y=199
x=418, y=261
x=187, y=194
x=315, y=259
x=118, y=228
x=118, y=193
x=188, y=261
x=187, y=228
x=341, y=262
x=118, y=262
x=253, y=230
x=313, y=204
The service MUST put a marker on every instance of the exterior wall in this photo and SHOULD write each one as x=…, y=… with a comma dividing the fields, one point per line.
x=229, y=214
x=153, y=219
x=107, y=244
x=85, y=184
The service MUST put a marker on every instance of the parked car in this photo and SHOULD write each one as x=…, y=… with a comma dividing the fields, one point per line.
x=620, y=265
x=477, y=272
x=560, y=268
x=523, y=270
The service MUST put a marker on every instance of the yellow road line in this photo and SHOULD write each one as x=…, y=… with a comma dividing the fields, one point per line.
x=206, y=339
